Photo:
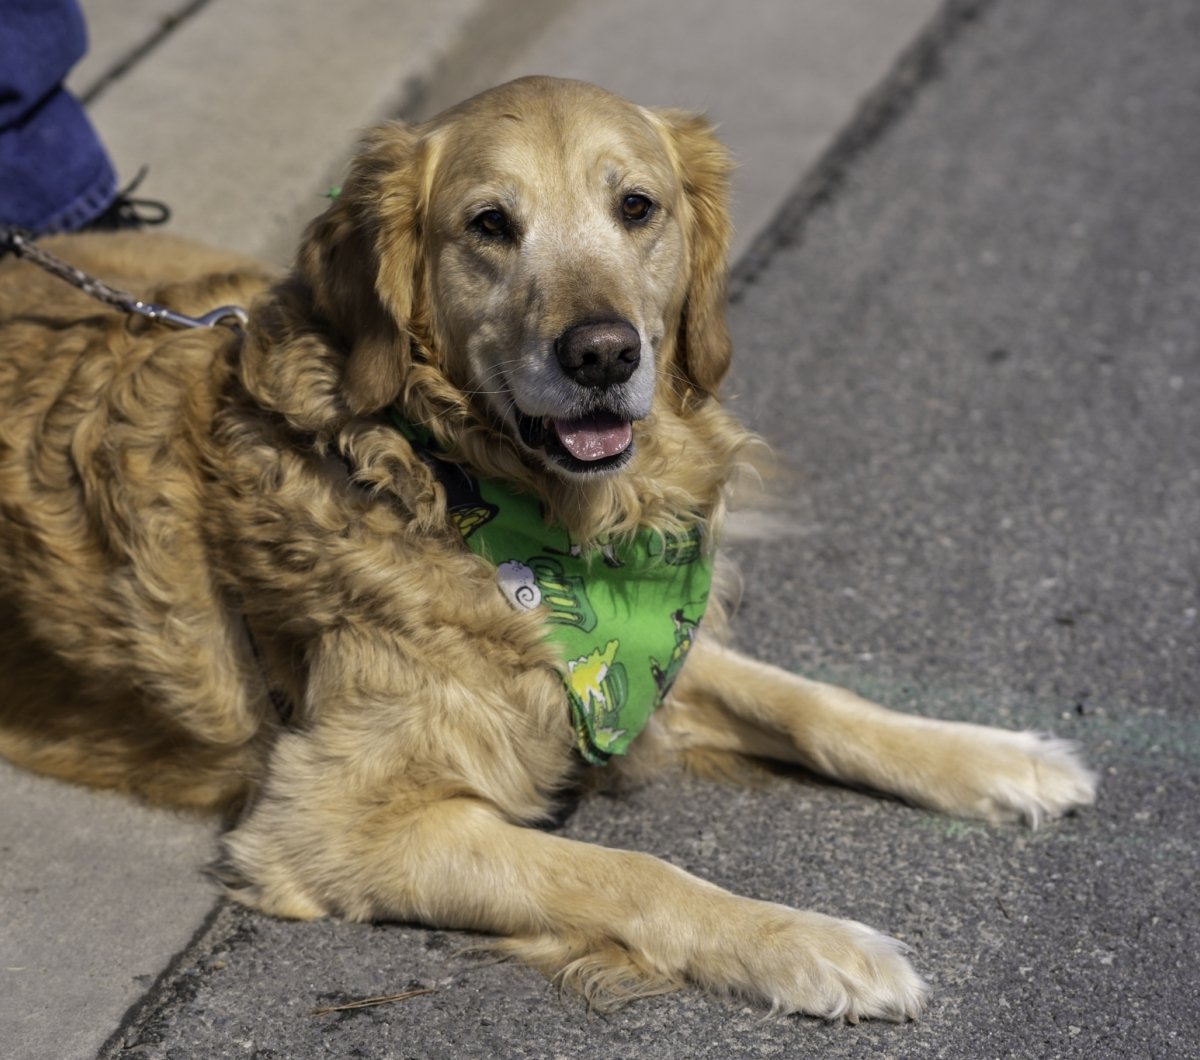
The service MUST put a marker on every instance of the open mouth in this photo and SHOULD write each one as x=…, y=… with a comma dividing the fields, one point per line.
x=601, y=441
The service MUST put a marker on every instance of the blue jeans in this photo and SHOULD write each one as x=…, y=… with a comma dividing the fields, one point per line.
x=55, y=175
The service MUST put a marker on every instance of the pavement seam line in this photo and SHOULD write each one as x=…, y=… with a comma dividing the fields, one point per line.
x=167, y=25
x=212, y=928
x=918, y=65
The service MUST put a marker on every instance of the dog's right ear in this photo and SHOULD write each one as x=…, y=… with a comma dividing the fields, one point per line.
x=362, y=261
x=704, y=166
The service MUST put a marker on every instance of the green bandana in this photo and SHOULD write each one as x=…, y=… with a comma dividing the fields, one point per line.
x=625, y=616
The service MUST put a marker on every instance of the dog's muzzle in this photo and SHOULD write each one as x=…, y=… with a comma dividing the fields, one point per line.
x=598, y=356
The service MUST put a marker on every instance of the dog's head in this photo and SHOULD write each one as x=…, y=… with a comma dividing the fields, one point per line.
x=545, y=258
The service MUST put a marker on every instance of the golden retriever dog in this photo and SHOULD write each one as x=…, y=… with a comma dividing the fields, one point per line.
x=237, y=575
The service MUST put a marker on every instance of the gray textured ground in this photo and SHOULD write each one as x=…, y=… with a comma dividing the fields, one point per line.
x=979, y=347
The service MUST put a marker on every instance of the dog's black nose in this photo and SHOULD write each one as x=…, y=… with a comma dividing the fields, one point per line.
x=600, y=354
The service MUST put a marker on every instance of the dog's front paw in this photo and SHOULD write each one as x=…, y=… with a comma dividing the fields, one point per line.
x=1002, y=776
x=835, y=969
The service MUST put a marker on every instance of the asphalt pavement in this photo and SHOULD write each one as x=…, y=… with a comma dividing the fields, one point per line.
x=969, y=322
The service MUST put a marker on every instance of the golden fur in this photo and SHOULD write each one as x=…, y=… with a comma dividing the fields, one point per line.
x=169, y=499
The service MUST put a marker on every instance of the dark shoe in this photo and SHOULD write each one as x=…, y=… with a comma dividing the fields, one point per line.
x=125, y=213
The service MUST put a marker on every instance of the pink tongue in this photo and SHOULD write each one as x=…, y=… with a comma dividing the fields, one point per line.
x=594, y=437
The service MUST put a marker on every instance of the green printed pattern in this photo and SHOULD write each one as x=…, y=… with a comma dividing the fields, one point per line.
x=624, y=616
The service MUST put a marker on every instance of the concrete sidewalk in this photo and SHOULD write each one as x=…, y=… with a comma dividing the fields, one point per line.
x=245, y=114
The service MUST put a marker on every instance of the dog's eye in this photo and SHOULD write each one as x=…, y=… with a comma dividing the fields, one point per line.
x=492, y=224
x=636, y=208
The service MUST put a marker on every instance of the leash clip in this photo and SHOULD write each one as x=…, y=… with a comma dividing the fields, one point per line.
x=233, y=316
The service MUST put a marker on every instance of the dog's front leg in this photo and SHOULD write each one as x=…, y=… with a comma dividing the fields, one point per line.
x=726, y=701
x=614, y=924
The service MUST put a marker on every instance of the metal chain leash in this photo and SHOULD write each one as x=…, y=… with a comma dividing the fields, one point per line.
x=23, y=245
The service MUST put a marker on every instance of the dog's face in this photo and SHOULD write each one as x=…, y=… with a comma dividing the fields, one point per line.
x=553, y=253
x=557, y=261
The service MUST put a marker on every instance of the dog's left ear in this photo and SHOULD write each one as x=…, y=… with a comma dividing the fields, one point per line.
x=362, y=259
x=704, y=166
